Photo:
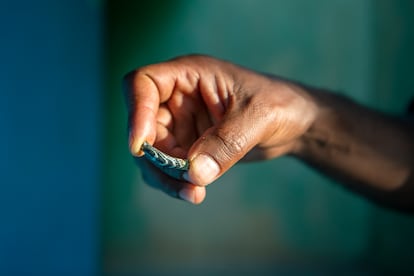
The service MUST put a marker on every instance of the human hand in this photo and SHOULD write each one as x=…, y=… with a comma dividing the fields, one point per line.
x=214, y=113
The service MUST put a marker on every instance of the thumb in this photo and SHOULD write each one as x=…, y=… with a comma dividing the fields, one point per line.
x=220, y=147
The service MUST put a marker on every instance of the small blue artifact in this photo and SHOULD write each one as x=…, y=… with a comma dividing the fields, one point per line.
x=172, y=166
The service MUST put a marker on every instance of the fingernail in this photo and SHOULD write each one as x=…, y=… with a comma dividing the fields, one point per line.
x=186, y=194
x=203, y=170
x=135, y=145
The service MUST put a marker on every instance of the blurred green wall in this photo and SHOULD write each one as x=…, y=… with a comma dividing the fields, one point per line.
x=272, y=216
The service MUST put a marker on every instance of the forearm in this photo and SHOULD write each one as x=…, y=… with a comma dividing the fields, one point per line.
x=369, y=152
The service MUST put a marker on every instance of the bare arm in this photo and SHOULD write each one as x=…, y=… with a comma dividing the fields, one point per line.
x=369, y=152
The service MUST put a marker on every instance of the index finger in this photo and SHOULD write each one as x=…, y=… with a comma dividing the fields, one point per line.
x=142, y=99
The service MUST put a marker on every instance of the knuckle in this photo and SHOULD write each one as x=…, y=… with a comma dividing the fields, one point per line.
x=233, y=143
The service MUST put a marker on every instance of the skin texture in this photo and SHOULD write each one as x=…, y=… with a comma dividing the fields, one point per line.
x=216, y=113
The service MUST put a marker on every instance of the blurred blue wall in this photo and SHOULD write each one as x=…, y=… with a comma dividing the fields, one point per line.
x=50, y=122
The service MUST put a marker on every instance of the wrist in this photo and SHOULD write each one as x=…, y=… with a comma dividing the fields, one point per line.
x=312, y=115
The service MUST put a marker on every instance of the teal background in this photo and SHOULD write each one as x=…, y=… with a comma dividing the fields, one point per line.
x=72, y=202
x=274, y=216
